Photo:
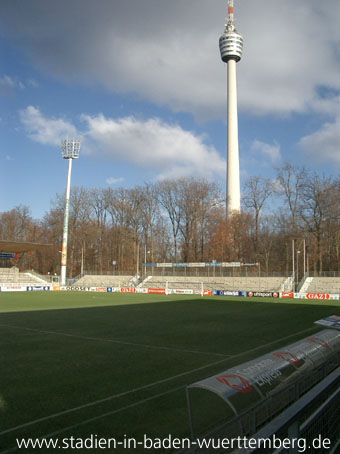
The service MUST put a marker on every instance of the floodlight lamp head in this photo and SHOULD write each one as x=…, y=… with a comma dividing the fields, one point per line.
x=70, y=148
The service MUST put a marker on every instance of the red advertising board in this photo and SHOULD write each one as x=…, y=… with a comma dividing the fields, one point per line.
x=317, y=296
x=160, y=291
x=287, y=294
x=207, y=292
x=128, y=290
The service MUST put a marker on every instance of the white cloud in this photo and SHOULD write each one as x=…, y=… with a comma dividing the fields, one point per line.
x=8, y=84
x=154, y=145
x=113, y=180
x=46, y=130
x=271, y=152
x=167, y=51
x=166, y=150
x=324, y=144
x=278, y=72
x=33, y=83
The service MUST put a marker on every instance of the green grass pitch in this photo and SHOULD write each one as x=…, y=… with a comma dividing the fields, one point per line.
x=116, y=365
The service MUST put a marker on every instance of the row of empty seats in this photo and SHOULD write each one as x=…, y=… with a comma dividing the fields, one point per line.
x=14, y=276
x=103, y=281
x=269, y=284
x=324, y=285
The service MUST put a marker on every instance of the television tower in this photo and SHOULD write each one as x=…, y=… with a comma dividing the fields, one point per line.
x=231, y=45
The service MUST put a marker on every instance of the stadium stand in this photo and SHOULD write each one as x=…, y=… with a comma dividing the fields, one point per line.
x=268, y=284
x=323, y=285
x=14, y=276
x=104, y=281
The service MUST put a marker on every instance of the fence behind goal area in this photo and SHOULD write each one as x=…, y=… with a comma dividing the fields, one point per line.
x=286, y=395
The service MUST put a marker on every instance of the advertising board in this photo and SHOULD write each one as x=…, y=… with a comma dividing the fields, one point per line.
x=13, y=288
x=159, y=291
x=185, y=291
x=287, y=294
x=317, y=296
x=264, y=294
x=128, y=290
x=8, y=255
x=226, y=293
x=207, y=292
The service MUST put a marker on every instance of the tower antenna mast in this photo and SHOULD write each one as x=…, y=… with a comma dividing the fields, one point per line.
x=230, y=23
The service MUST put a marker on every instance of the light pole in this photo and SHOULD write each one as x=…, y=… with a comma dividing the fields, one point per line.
x=70, y=150
x=145, y=253
x=293, y=265
x=297, y=269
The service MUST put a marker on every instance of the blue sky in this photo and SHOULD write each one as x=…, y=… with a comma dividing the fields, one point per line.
x=142, y=85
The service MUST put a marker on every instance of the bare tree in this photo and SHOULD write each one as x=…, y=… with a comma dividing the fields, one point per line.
x=99, y=204
x=316, y=209
x=198, y=199
x=257, y=191
x=290, y=181
x=169, y=198
x=150, y=214
x=16, y=224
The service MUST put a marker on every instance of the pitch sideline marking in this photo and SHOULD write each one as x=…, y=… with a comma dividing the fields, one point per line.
x=115, y=341
x=106, y=399
x=103, y=415
x=141, y=388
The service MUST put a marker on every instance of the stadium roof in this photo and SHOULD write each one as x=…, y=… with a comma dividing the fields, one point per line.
x=17, y=246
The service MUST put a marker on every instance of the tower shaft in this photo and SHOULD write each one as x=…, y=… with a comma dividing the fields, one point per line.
x=233, y=166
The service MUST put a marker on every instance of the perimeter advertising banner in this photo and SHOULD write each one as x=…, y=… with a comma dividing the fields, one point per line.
x=8, y=255
x=13, y=288
x=264, y=294
x=180, y=291
x=317, y=296
x=194, y=265
x=128, y=290
x=287, y=294
x=227, y=293
x=158, y=291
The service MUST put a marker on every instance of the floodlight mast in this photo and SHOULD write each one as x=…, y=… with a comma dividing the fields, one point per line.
x=70, y=150
x=231, y=47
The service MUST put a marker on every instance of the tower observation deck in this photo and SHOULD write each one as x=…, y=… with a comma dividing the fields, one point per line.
x=231, y=47
x=231, y=42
